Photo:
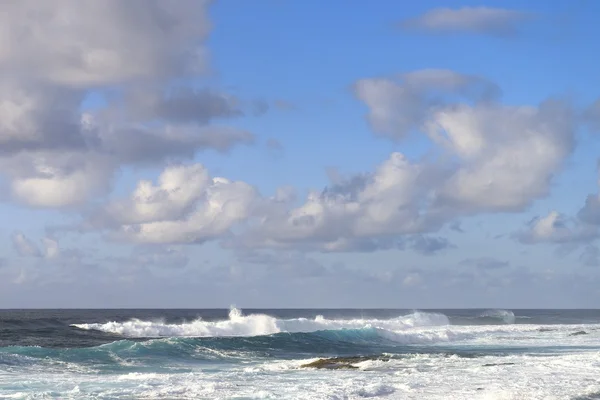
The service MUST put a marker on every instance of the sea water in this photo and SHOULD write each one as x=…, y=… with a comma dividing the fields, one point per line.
x=262, y=354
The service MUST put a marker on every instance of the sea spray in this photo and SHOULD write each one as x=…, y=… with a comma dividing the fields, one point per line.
x=261, y=324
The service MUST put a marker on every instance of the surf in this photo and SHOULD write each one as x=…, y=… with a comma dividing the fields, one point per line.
x=259, y=325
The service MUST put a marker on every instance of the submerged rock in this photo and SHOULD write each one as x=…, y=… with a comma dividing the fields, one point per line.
x=578, y=333
x=341, y=362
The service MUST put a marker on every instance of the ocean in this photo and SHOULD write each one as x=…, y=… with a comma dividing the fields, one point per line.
x=300, y=354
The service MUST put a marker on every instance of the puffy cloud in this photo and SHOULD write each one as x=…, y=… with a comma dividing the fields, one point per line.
x=51, y=248
x=489, y=158
x=185, y=206
x=24, y=246
x=505, y=156
x=53, y=153
x=178, y=188
x=508, y=154
x=57, y=179
x=131, y=144
x=398, y=107
x=558, y=228
x=34, y=117
x=478, y=20
x=555, y=228
x=90, y=43
x=351, y=214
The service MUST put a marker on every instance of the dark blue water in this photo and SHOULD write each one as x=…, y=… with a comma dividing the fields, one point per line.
x=53, y=328
x=121, y=342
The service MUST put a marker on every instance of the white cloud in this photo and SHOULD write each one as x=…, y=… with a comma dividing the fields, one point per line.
x=388, y=202
x=92, y=43
x=57, y=179
x=178, y=188
x=185, y=207
x=398, y=107
x=490, y=158
x=52, y=153
x=51, y=248
x=34, y=117
x=556, y=228
x=508, y=154
x=561, y=229
x=479, y=20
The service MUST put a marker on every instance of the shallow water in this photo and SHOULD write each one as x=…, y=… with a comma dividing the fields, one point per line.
x=235, y=354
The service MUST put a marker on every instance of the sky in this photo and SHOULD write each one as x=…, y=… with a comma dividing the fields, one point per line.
x=305, y=154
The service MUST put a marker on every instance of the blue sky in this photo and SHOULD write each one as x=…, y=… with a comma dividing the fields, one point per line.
x=441, y=197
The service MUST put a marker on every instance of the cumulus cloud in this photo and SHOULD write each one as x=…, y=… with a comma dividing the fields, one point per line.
x=555, y=228
x=178, y=188
x=57, y=179
x=131, y=54
x=400, y=106
x=477, y=20
x=489, y=158
x=51, y=248
x=565, y=230
x=185, y=206
x=89, y=43
x=509, y=154
x=351, y=214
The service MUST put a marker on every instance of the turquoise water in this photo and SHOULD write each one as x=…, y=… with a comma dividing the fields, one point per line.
x=108, y=354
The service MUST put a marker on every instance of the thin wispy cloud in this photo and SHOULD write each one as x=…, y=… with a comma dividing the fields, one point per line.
x=475, y=20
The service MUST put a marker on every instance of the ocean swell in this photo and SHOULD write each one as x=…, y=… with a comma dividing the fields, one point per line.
x=506, y=316
x=132, y=352
x=261, y=324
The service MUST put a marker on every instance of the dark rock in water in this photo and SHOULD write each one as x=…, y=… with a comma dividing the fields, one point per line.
x=497, y=364
x=479, y=388
x=341, y=362
x=578, y=333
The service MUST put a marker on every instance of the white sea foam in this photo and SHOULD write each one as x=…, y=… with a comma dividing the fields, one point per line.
x=261, y=324
x=424, y=376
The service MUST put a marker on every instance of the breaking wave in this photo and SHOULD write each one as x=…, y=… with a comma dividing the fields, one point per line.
x=131, y=352
x=506, y=316
x=261, y=324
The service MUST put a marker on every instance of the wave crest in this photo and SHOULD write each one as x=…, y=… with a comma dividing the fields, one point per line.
x=506, y=316
x=261, y=324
